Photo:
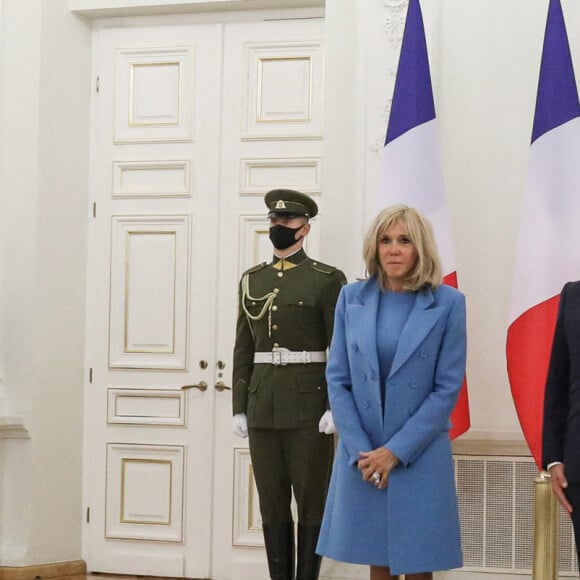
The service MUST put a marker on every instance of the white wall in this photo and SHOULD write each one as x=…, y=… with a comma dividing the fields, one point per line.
x=484, y=63
x=43, y=205
x=485, y=85
x=343, y=199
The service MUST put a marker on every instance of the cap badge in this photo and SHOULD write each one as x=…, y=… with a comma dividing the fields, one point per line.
x=280, y=205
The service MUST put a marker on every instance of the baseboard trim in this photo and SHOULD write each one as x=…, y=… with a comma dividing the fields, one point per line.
x=490, y=447
x=44, y=571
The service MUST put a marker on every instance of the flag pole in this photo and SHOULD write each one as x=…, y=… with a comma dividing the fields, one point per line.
x=546, y=511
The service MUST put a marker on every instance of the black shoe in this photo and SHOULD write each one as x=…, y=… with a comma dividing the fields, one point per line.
x=279, y=540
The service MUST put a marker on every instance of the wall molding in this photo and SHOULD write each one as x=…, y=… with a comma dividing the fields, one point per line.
x=108, y=8
x=13, y=428
x=484, y=443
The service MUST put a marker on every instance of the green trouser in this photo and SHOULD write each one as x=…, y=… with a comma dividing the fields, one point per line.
x=286, y=460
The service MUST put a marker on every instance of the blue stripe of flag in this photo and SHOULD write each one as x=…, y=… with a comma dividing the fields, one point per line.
x=557, y=99
x=413, y=95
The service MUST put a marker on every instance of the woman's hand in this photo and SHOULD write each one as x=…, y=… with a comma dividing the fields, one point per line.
x=376, y=465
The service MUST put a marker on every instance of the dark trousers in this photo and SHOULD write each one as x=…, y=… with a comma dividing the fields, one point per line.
x=286, y=460
x=573, y=495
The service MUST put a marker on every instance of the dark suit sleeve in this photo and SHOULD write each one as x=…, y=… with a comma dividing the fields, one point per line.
x=557, y=391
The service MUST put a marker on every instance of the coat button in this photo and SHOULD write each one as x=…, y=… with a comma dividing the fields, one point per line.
x=366, y=404
x=423, y=354
x=355, y=347
x=274, y=327
x=363, y=377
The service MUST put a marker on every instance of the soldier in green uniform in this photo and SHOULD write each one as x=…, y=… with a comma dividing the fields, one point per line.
x=285, y=321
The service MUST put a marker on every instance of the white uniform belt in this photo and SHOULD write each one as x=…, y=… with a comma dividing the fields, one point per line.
x=283, y=356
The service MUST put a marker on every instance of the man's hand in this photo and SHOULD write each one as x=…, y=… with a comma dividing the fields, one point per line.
x=326, y=423
x=559, y=484
x=240, y=425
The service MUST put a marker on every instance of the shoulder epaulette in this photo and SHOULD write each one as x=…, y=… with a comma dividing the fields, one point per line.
x=324, y=268
x=256, y=268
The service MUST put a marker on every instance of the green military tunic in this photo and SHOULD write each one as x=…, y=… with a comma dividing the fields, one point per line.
x=287, y=304
x=290, y=304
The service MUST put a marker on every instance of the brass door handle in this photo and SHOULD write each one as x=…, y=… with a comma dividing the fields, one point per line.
x=220, y=386
x=202, y=386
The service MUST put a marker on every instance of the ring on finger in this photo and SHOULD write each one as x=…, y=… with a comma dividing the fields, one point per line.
x=376, y=477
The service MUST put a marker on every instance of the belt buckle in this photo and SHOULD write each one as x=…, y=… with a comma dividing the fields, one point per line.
x=277, y=356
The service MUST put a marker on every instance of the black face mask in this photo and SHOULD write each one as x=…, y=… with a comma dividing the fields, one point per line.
x=283, y=237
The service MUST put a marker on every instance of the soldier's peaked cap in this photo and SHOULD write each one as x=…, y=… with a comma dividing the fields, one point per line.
x=290, y=202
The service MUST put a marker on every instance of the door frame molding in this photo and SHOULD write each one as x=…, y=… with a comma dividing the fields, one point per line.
x=112, y=8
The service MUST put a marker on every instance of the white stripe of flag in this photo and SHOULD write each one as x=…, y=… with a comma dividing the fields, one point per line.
x=411, y=171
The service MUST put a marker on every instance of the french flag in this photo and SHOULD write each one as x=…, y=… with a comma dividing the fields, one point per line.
x=411, y=172
x=548, y=251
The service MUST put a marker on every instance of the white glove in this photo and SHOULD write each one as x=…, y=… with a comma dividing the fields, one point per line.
x=240, y=425
x=326, y=423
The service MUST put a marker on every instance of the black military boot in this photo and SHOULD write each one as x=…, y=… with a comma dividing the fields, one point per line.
x=308, y=560
x=279, y=540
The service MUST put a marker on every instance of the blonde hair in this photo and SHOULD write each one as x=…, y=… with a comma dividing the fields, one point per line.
x=427, y=269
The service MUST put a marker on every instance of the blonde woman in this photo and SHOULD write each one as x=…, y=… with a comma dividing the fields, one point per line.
x=396, y=365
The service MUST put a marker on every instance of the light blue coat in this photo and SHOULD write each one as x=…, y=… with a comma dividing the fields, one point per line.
x=413, y=525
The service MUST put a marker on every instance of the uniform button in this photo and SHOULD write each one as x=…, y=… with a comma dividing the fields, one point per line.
x=274, y=308
x=300, y=303
x=276, y=290
x=253, y=304
x=274, y=327
x=276, y=345
x=280, y=274
x=315, y=263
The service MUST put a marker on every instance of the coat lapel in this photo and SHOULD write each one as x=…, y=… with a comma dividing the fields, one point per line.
x=419, y=324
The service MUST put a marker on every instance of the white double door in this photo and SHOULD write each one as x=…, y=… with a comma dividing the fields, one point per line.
x=192, y=122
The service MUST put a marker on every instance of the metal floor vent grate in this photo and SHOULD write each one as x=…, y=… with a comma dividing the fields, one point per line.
x=496, y=507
